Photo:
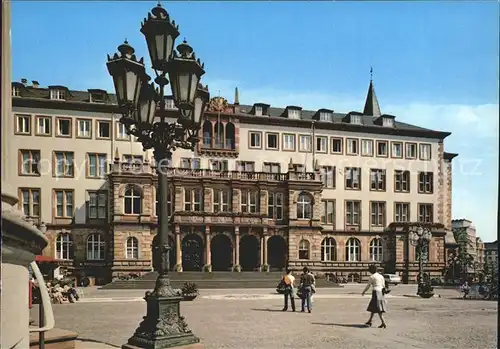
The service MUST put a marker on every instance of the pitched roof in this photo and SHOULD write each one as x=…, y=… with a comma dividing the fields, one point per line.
x=371, y=105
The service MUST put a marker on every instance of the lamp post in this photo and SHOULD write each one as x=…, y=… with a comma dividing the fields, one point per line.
x=142, y=106
x=420, y=237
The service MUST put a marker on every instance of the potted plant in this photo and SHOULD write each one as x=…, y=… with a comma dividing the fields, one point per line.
x=207, y=268
x=265, y=268
x=178, y=268
x=189, y=291
x=237, y=268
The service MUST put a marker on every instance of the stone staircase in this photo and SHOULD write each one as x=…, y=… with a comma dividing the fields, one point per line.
x=214, y=280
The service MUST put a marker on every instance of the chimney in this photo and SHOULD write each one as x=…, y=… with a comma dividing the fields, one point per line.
x=24, y=81
x=35, y=83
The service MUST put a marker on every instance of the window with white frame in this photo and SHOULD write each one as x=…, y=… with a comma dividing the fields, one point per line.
x=377, y=209
x=219, y=165
x=288, y=142
x=132, y=248
x=327, y=175
x=402, y=181
x=325, y=116
x=275, y=205
x=57, y=94
x=96, y=247
x=353, y=250
x=352, y=212
x=249, y=201
x=271, y=167
x=195, y=163
x=425, y=182
x=352, y=178
x=328, y=250
x=30, y=202
x=121, y=131
x=425, y=213
x=293, y=114
x=23, y=125
x=352, y=146
x=355, y=119
x=255, y=139
x=376, y=250
x=30, y=165
x=377, y=179
x=96, y=165
x=304, y=206
x=397, y=150
x=387, y=122
x=328, y=216
x=304, y=247
x=411, y=150
x=16, y=91
x=64, y=203
x=193, y=199
x=104, y=129
x=221, y=200
x=43, y=125
x=132, y=200
x=64, y=246
x=425, y=151
x=97, y=205
x=336, y=145
x=258, y=110
x=366, y=147
x=272, y=141
x=304, y=143
x=382, y=149
x=246, y=166
x=321, y=144
x=63, y=127
x=64, y=164
x=84, y=128
x=401, y=212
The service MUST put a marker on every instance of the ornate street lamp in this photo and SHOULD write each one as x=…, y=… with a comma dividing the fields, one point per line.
x=420, y=237
x=139, y=101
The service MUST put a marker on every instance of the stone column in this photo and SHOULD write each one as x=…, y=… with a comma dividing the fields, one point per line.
x=208, y=255
x=236, y=245
x=266, y=237
x=7, y=117
x=262, y=250
x=178, y=247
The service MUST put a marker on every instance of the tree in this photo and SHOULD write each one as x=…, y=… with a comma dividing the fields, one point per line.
x=464, y=258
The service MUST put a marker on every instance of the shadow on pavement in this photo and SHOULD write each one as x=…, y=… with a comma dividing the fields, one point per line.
x=270, y=310
x=88, y=340
x=341, y=325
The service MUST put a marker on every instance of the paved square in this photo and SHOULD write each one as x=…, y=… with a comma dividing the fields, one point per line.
x=252, y=319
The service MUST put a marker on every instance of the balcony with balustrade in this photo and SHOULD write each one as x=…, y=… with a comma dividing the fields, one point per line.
x=218, y=139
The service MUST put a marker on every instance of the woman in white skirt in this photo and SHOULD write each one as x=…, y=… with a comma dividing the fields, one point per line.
x=378, y=304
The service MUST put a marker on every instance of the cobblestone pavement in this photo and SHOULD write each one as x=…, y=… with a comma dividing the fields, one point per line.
x=248, y=323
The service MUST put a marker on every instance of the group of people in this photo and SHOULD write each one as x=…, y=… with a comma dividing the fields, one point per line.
x=307, y=287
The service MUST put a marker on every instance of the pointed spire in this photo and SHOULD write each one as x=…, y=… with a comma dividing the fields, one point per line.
x=290, y=165
x=371, y=105
x=117, y=154
x=236, y=96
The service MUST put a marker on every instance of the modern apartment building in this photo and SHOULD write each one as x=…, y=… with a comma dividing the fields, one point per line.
x=265, y=187
x=476, y=247
x=491, y=254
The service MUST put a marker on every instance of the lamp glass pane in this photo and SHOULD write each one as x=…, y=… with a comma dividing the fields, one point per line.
x=119, y=87
x=198, y=106
x=131, y=83
x=193, y=87
x=151, y=48
x=151, y=111
x=160, y=46
x=170, y=46
x=184, y=87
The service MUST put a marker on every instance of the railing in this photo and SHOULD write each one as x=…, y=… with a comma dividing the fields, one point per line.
x=217, y=143
x=45, y=314
x=132, y=166
x=263, y=176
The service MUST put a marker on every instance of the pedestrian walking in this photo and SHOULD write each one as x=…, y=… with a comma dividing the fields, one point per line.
x=378, y=304
x=289, y=282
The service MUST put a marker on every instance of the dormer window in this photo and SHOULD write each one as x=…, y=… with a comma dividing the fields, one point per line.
x=16, y=91
x=387, y=122
x=258, y=110
x=325, y=116
x=57, y=94
x=355, y=119
x=293, y=114
x=97, y=97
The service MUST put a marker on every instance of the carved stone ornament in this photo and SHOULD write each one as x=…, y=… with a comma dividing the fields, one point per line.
x=218, y=104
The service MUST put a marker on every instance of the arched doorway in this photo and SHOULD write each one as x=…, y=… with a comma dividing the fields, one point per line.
x=221, y=250
x=249, y=253
x=276, y=253
x=192, y=253
x=172, y=254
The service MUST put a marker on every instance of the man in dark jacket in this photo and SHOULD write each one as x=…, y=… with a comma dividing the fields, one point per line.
x=307, y=283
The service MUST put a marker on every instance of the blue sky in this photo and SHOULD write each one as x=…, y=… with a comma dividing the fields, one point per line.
x=435, y=64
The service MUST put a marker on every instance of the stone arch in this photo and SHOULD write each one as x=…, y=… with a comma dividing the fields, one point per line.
x=297, y=194
x=207, y=132
x=219, y=133
x=192, y=252
x=277, y=252
x=221, y=251
x=249, y=252
x=124, y=187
